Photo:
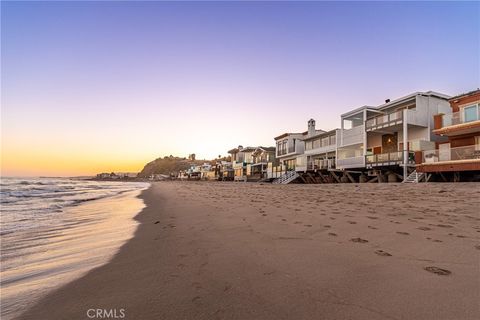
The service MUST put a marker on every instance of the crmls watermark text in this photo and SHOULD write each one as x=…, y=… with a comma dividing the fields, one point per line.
x=106, y=313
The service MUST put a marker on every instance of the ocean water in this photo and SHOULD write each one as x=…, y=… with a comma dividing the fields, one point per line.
x=53, y=231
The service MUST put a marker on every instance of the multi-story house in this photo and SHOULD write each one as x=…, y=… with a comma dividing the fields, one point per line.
x=458, y=157
x=261, y=157
x=384, y=137
x=320, y=151
x=291, y=147
x=251, y=162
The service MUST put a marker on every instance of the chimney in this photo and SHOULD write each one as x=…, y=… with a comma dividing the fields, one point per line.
x=387, y=101
x=311, y=127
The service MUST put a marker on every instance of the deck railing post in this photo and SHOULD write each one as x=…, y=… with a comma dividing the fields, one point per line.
x=405, y=144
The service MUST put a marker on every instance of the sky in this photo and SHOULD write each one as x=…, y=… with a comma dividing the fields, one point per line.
x=89, y=87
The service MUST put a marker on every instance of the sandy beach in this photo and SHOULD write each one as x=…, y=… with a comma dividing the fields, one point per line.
x=211, y=250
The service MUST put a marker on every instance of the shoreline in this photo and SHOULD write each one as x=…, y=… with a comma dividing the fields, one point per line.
x=231, y=251
x=81, y=237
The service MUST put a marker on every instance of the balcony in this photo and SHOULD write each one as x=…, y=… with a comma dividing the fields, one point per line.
x=388, y=159
x=353, y=162
x=315, y=164
x=353, y=135
x=457, y=118
x=471, y=152
x=384, y=120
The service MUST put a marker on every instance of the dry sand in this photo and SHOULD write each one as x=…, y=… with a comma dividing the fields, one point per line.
x=260, y=251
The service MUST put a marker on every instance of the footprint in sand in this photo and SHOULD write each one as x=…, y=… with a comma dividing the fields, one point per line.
x=444, y=226
x=477, y=247
x=370, y=217
x=327, y=226
x=439, y=271
x=436, y=240
x=352, y=222
x=297, y=222
x=382, y=253
x=359, y=240
x=372, y=227
x=461, y=236
x=284, y=219
x=307, y=225
x=404, y=233
x=333, y=234
x=197, y=285
x=424, y=228
x=157, y=222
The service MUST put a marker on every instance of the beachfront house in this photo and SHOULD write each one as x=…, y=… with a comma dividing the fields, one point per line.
x=251, y=163
x=320, y=151
x=225, y=171
x=383, y=138
x=290, y=152
x=458, y=157
x=261, y=158
x=290, y=147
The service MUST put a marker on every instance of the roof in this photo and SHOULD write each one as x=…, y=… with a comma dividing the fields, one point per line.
x=464, y=95
x=286, y=134
x=320, y=134
x=267, y=148
x=395, y=102
x=357, y=110
x=411, y=97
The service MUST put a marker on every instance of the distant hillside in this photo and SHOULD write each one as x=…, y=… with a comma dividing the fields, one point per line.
x=167, y=165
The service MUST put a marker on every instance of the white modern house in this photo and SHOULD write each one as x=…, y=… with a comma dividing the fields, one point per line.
x=320, y=151
x=290, y=147
x=386, y=135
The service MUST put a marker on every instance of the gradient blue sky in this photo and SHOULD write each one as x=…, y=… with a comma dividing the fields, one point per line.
x=117, y=84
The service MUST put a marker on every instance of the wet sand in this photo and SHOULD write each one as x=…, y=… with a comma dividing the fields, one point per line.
x=260, y=251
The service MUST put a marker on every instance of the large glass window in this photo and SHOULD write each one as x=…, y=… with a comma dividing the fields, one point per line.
x=470, y=113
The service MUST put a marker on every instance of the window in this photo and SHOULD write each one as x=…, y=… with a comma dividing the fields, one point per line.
x=477, y=143
x=333, y=140
x=470, y=113
x=308, y=145
x=325, y=142
x=316, y=143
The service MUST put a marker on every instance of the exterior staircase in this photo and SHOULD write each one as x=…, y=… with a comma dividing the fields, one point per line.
x=414, y=177
x=286, y=178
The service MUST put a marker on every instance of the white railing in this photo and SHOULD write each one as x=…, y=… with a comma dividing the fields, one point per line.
x=322, y=149
x=286, y=178
x=354, y=162
x=460, y=117
x=451, y=154
x=316, y=164
x=384, y=120
x=396, y=156
x=353, y=135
